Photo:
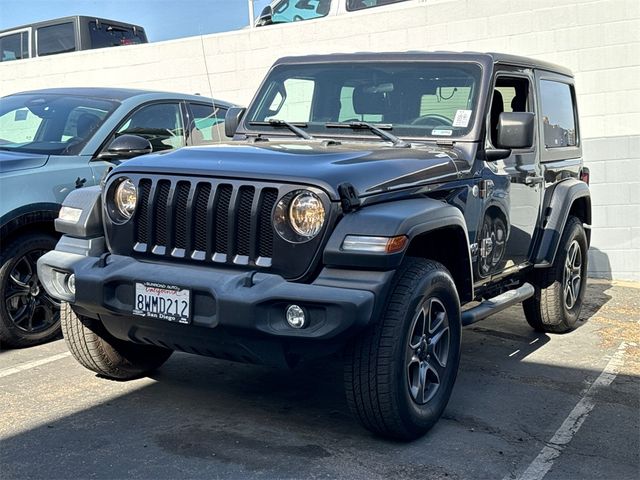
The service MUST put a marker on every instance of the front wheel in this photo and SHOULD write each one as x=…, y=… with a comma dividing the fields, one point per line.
x=95, y=349
x=28, y=314
x=559, y=289
x=400, y=373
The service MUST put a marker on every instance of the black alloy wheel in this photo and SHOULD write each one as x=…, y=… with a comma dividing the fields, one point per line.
x=28, y=314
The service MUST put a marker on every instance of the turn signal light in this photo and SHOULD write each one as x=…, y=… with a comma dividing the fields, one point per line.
x=363, y=243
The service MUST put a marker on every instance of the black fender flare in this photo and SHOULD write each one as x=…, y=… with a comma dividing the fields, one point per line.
x=564, y=196
x=410, y=217
x=26, y=215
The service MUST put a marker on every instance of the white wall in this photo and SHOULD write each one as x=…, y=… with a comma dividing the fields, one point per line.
x=598, y=40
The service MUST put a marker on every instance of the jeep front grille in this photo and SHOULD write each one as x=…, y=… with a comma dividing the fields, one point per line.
x=205, y=220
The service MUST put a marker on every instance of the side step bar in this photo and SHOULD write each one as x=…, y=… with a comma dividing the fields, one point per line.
x=497, y=304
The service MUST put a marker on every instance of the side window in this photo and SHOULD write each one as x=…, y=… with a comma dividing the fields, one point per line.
x=160, y=123
x=56, y=39
x=362, y=4
x=294, y=103
x=207, y=125
x=14, y=46
x=511, y=94
x=558, y=114
x=295, y=10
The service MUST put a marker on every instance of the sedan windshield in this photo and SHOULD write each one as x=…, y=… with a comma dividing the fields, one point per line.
x=418, y=99
x=50, y=124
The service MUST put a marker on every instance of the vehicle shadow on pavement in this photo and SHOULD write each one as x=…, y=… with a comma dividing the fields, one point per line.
x=200, y=417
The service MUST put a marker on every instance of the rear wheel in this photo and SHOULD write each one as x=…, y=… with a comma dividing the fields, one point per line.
x=28, y=314
x=400, y=373
x=94, y=348
x=559, y=289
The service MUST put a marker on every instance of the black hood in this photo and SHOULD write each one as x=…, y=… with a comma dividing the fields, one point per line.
x=12, y=161
x=370, y=167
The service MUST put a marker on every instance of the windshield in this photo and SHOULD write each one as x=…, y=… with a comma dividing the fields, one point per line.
x=50, y=124
x=417, y=99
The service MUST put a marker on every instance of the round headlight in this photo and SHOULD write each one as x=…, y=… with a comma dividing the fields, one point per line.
x=299, y=216
x=306, y=214
x=125, y=198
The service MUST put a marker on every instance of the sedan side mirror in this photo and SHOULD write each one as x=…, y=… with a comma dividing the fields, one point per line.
x=128, y=146
x=232, y=119
x=515, y=130
x=265, y=17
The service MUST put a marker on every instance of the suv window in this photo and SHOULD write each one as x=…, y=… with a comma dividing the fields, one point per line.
x=293, y=102
x=207, y=125
x=160, y=123
x=14, y=46
x=558, y=114
x=296, y=10
x=53, y=39
x=362, y=4
x=50, y=124
x=413, y=98
x=107, y=35
x=511, y=94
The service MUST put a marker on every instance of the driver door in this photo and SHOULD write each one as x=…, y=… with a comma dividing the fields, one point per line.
x=511, y=188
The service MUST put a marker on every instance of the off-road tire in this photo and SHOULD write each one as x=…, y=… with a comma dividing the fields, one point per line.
x=547, y=311
x=97, y=350
x=376, y=371
x=12, y=335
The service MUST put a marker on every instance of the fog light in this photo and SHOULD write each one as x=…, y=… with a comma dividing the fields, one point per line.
x=295, y=316
x=71, y=283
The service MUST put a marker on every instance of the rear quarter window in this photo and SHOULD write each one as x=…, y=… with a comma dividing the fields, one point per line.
x=558, y=114
x=54, y=39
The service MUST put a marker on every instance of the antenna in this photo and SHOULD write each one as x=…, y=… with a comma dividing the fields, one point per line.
x=206, y=69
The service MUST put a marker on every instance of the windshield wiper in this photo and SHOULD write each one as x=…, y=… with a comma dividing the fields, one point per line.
x=397, y=142
x=282, y=123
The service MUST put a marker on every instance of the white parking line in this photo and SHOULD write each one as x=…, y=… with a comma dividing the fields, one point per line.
x=36, y=363
x=544, y=461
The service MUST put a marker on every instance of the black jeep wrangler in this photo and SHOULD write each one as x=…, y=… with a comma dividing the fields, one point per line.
x=370, y=205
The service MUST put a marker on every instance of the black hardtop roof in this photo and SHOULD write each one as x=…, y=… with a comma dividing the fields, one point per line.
x=485, y=59
x=118, y=94
x=70, y=18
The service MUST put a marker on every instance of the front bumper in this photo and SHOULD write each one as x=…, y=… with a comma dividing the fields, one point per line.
x=225, y=305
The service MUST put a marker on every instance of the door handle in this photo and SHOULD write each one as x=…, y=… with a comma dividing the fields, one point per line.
x=533, y=180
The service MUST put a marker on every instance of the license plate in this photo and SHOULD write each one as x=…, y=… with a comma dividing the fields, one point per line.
x=164, y=302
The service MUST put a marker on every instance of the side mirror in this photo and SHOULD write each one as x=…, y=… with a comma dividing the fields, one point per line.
x=515, y=130
x=128, y=146
x=232, y=120
x=265, y=17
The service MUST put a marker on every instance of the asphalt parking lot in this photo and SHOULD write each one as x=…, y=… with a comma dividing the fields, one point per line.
x=525, y=405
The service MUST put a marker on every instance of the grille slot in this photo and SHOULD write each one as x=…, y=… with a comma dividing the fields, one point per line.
x=222, y=220
x=142, y=211
x=160, y=213
x=182, y=196
x=200, y=204
x=205, y=221
x=243, y=226
x=265, y=228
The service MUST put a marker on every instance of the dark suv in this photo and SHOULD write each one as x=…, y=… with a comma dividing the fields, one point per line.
x=370, y=205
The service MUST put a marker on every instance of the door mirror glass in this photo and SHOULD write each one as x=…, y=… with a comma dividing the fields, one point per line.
x=515, y=130
x=232, y=120
x=128, y=146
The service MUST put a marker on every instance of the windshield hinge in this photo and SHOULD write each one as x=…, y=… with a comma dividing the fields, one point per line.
x=348, y=197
